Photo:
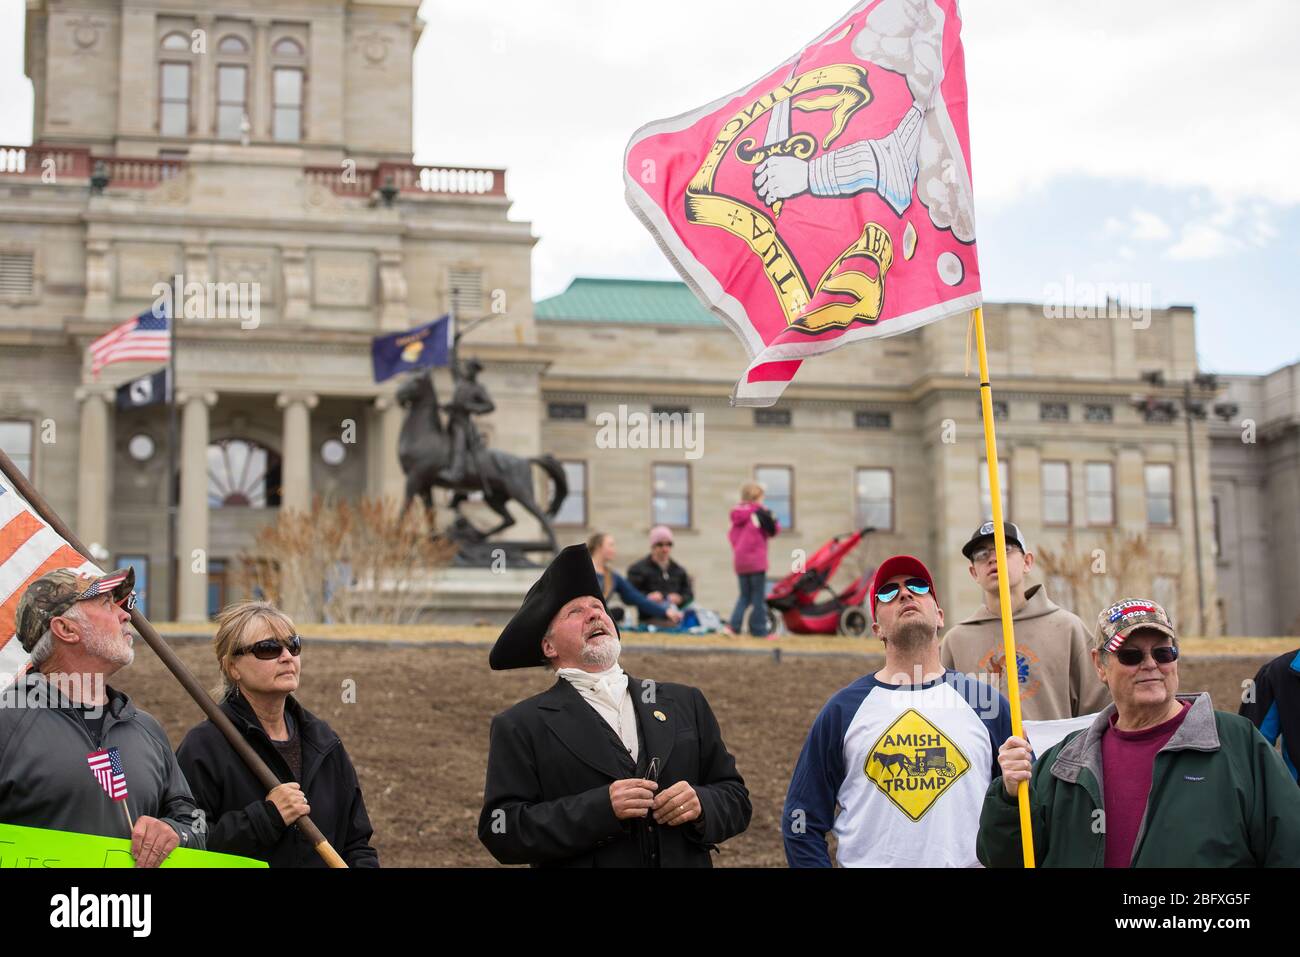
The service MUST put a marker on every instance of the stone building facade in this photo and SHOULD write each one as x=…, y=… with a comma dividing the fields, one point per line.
x=277, y=153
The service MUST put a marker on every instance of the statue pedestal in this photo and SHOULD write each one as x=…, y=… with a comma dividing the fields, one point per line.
x=455, y=595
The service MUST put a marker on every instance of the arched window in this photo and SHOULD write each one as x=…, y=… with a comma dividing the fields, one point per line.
x=288, y=81
x=242, y=474
x=232, y=87
x=174, y=85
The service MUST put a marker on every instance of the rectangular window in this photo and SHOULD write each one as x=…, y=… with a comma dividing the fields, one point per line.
x=682, y=410
x=174, y=100
x=778, y=496
x=465, y=287
x=17, y=275
x=567, y=411
x=232, y=101
x=777, y=417
x=1004, y=487
x=1054, y=411
x=1000, y=410
x=872, y=420
x=286, y=114
x=1056, y=493
x=1099, y=482
x=216, y=586
x=1218, y=540
x=1160, y=494
x=573, y=511
x=873, y=499
x=16, y=440
x=670, y=502
x=1098, y=413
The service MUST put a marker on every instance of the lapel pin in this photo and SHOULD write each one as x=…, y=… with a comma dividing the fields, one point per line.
x=661, y=716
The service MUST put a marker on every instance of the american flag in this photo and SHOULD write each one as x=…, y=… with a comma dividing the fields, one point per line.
x=143, y=338
x=106, y=765
x=28, y=549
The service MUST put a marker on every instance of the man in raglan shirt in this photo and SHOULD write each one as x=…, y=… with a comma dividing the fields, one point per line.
x=905, y=753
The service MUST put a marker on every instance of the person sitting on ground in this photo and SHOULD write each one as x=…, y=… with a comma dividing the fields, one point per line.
x=658, y=576
x=601, y=547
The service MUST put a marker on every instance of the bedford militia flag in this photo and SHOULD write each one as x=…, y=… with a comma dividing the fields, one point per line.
x=830, y=200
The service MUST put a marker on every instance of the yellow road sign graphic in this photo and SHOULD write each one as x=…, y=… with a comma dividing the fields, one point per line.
x=913, y=763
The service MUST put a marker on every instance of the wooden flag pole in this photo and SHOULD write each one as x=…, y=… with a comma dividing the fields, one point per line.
x=147, y=631
x=1004, y=590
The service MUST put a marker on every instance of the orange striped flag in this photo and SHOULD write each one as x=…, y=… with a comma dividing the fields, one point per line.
x=28, y=549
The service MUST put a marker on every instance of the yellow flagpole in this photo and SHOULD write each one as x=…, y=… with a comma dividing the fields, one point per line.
x=1004, y=590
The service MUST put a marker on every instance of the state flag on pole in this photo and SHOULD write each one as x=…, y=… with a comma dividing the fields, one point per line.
x=28, y=549
x=418, y=348
x=830, y=200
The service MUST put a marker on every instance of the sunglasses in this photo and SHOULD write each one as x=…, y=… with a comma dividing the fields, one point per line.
x=268, y=649
x=662, y=545
x=129, y=602
x=917, y=586
x=1163, y=655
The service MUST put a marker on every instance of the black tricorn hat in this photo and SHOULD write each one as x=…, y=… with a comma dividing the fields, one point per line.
x=570, y=575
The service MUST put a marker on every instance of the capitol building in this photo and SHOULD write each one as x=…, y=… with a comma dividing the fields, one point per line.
x=279, y=156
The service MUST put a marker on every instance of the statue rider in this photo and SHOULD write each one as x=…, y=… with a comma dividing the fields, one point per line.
x=469, y=398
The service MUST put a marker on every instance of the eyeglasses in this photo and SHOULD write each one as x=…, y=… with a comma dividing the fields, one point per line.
x=981, y=555
x=268, y=649
x=917, y=586
x=662, y=545
x=1163, y=655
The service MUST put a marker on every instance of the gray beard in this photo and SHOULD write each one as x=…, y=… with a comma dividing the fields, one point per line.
x=604, y=654
x=910, y=637
x=102, y=647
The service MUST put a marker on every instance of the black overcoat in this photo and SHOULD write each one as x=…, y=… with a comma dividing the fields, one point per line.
x=552, y=759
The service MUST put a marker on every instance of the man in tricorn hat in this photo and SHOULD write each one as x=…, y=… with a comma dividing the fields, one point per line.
x=602, y=769
x=54, y=719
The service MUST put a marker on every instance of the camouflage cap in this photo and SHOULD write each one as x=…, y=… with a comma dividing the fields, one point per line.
x=1126, y=616
x=55, y=592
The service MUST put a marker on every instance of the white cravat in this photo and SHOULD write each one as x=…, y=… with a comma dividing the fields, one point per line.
x=606, y=691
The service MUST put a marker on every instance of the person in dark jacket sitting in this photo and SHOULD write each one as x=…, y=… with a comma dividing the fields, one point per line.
x=259, y=654
x=601, y=548
x=658, y=576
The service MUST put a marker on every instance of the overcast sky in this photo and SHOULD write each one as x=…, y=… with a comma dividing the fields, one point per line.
x=1114, y=141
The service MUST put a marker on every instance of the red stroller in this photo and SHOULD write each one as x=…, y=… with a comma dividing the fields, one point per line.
x=794, y=604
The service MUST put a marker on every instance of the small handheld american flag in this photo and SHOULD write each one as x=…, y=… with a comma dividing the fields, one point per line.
x=106, y=765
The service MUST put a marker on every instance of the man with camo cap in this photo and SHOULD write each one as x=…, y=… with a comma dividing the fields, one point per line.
x=52, y=718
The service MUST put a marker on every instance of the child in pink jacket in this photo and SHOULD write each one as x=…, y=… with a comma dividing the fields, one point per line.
x=751, y=526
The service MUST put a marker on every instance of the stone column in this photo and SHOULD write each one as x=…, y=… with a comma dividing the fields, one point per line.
x=386, y=477
x=192, y=520
x=94, y=467
x=205, y=81
x=295, y=450
x=260, y=100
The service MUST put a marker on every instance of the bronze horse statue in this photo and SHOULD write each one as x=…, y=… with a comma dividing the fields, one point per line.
x=424, y=450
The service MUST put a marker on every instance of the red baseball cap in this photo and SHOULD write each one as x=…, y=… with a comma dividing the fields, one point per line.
x=899, y=565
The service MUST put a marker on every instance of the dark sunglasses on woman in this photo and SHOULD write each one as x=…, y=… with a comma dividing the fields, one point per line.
x=917, y=586
x=1163, y=655
x=268, y=649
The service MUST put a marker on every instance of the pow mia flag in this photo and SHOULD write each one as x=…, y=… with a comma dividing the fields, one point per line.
x=143, y=391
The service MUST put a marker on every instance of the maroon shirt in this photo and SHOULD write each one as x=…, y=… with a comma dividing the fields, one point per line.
x=1127, y=758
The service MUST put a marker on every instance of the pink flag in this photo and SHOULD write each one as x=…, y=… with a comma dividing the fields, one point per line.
x=829, y=201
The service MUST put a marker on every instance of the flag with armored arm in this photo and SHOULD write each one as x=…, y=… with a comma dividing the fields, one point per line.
x=828, y=201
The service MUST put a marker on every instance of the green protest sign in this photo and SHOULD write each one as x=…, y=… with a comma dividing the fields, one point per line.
x=22, y=847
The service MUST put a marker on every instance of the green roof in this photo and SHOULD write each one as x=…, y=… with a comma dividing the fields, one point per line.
x=632, y=301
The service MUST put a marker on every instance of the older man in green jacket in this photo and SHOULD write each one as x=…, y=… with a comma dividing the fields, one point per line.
x=1158, y=780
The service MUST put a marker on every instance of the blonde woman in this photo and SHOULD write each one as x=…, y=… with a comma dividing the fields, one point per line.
x=751, y=526
x=259, y=654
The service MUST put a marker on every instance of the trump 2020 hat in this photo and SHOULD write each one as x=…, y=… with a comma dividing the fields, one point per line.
x=570, y=575
x=55, y=592
x=1126, y=616
x=1011, y=529
x=899, y=565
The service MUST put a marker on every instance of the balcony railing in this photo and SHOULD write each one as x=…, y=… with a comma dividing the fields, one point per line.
x=78, y=163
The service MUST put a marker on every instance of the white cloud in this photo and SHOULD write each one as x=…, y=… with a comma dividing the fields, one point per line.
x=1203, y=240
x=1149, y=226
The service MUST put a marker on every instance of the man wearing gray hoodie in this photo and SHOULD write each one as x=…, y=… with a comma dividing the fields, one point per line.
x=1057, y=679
